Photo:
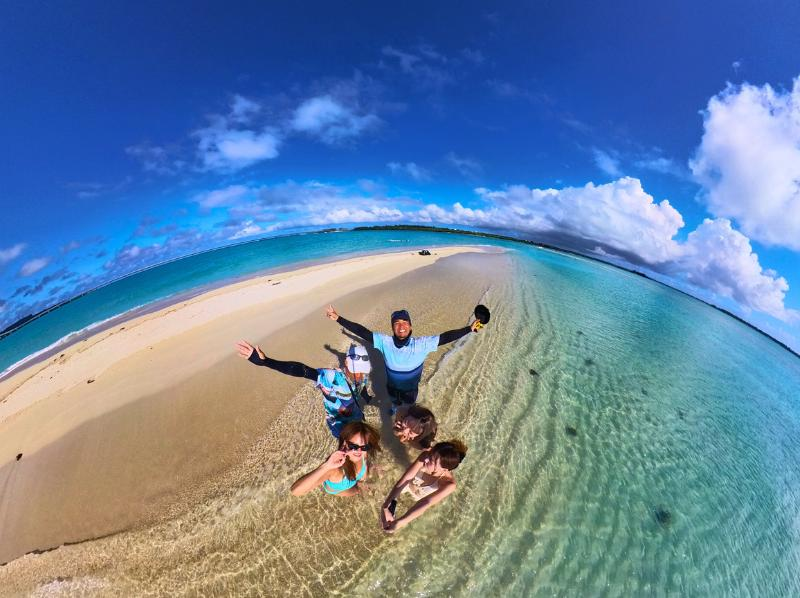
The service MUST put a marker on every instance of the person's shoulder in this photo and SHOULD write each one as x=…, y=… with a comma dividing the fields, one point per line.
x=379, y=339
x=326, y=374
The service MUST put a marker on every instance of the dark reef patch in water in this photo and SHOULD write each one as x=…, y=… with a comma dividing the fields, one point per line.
x=662, y=516
x=644, y=391
x=588, y=361
x=571, y=430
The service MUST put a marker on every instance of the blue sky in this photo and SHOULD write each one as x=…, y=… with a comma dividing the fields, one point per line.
x=666, y=137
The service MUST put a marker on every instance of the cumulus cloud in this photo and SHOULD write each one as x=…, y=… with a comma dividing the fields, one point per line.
x=748, y=161
x=11, y=253
x=33, y=266
x=619, y=214
x=330, y=120
x=410, y=169
x=620, y=219
x=718, y=258
x=232, y=141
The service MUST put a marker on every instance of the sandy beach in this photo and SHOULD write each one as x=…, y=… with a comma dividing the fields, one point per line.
x=137, y=424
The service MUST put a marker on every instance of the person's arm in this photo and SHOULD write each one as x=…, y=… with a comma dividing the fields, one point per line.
x=421, y=506
x=291, y=368
x=453, y=335
x=386, y=515
x=314, y=478
x=353, y=327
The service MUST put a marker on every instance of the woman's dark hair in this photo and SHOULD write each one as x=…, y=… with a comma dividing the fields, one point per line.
x=425, y=425
x=450, y=453
x=371, y=437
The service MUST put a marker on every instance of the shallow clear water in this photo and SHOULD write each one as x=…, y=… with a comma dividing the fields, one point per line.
x=625, y=440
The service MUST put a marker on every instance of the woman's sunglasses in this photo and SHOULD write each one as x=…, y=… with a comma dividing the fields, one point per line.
x=357, y=357
x=352, y=446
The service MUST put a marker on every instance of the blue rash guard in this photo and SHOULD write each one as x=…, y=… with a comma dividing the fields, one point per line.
x=404, y=363
x=339, y=397
x=403, y=359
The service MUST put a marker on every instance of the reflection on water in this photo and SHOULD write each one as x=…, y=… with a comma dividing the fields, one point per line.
x=624, y=440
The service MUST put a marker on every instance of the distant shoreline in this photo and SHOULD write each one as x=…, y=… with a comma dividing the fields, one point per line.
x=419, y=228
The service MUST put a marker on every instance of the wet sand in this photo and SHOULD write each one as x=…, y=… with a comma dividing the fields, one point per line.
x=171, y=413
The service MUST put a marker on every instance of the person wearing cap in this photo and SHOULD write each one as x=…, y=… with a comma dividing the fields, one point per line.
x=340, y=388
x=402, y=353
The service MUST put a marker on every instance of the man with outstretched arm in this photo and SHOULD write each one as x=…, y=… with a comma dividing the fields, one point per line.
x=340, y=388
x=402, y=353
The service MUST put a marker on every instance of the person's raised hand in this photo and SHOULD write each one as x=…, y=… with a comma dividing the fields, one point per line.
x=331, y=313
x=245, y=350
x=336, y=460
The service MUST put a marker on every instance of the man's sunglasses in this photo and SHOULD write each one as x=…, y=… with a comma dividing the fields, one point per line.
x=357, y=357
x=352, y=446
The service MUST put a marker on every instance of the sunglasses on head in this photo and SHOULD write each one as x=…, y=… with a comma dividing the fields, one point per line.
x=352, y=446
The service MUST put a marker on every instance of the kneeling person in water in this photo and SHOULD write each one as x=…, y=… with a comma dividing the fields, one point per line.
x=340, y=388
x=429, y=480
x=402, y=353
x=347, y=466
x=415, y=425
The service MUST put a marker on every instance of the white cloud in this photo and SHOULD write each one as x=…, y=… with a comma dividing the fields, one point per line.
x=11, y=253
x=607, y=163
x=243, y=109
x=221, y=197
x=330, y=120
x=620, y=214
x=749, y=161
x=720, y=259
x=33, y=266
x=226, y=150
x=231, y=143
x=468, y=167
x=620, y=219
x=411, y=169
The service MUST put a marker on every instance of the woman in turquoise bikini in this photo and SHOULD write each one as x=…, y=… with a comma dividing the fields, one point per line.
x=341, y=472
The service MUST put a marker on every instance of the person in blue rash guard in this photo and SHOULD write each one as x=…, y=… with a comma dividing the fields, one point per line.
x=340, y=388
x=402, y=353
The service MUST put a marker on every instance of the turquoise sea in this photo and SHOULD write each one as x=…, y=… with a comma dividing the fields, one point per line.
x=626, y=440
